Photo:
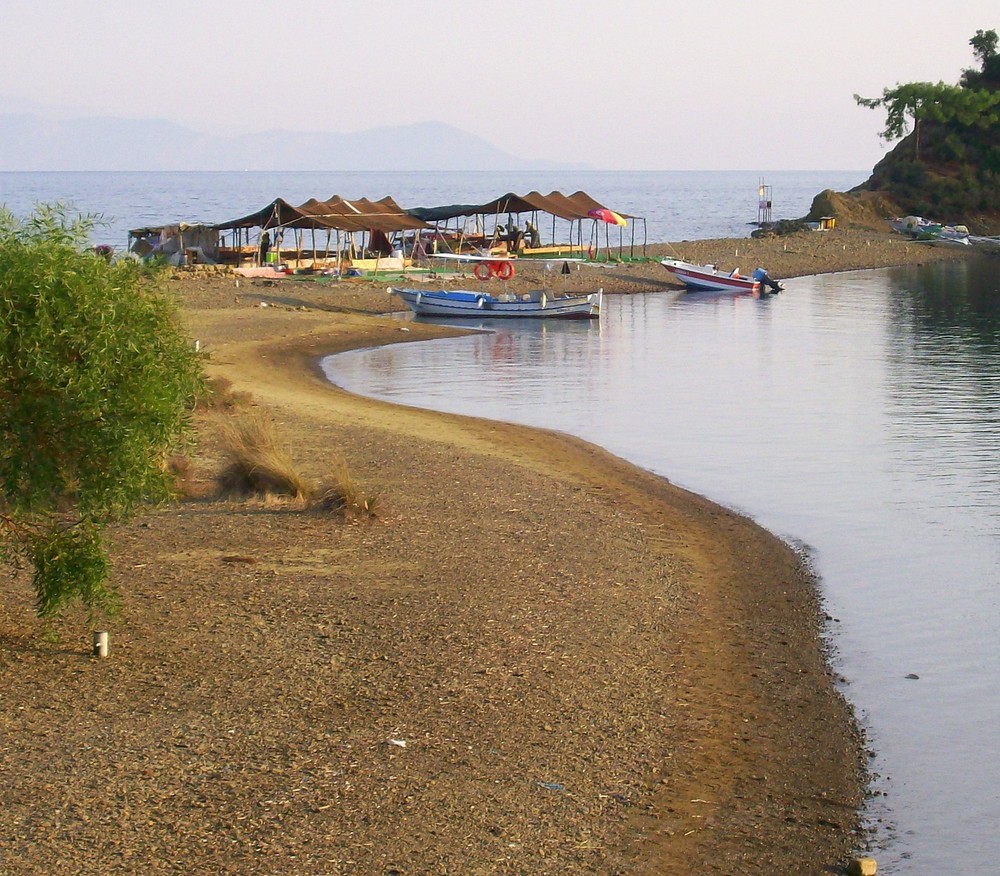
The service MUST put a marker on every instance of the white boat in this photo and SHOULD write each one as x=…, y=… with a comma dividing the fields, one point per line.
x=925, y=231
x=709, y=278
x=537, y=304
x=943, y=240
x=991, y=244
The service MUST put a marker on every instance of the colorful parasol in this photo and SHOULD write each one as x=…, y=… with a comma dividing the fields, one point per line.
x=605, y=215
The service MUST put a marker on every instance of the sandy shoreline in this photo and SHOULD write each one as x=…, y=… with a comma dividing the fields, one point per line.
x=592, y=670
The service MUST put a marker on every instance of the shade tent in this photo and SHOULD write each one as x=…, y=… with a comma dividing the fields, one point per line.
x=377, y=219
x=568, y=207
x=444, y=213
x=575, y=209
x=384, y=221
x=336, y=213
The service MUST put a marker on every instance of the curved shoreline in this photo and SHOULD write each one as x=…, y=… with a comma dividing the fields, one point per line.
x=605, y=673
x=749, y=646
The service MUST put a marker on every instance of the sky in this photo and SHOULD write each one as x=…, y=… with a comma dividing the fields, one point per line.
x=616, y=85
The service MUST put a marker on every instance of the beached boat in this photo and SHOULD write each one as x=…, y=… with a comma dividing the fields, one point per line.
x=925, y=231
x=991, y=244
x=709, y=278
x=537, y=304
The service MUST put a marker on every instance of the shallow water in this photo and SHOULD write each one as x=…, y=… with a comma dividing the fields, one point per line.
x=857, y=414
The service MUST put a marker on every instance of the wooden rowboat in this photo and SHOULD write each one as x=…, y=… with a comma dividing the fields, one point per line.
x=536, y=304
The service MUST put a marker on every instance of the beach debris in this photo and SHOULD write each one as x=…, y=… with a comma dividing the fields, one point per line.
x=399, y=743
x=101, y=643
x=551, y=786
x=862, y=867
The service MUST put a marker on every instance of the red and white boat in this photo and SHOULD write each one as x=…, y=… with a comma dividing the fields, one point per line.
x=709, y=278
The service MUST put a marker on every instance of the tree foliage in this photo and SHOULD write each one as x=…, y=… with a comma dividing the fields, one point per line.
x=940, y=103
x=96, y=383
x=964, y=105
x=946, y=163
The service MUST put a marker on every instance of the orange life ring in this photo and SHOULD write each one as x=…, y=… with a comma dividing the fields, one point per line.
x=483, y=270
x=505, y=270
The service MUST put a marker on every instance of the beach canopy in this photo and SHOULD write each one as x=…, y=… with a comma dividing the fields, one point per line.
x=334, y=213
x=579, y=205
x=386, y=215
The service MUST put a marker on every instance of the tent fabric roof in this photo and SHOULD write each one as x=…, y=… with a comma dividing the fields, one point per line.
x=386, y=215
x=336, y=213
x=571, y=207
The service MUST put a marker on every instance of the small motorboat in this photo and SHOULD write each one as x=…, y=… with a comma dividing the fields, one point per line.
x=709, y=278
x=537, y=304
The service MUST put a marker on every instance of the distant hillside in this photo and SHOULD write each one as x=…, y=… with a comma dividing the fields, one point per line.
x=33, y=142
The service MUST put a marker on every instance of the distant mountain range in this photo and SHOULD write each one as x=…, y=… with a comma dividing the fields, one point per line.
x=32, y=142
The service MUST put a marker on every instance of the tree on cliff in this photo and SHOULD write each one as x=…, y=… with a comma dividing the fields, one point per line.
x=96, y=382
x=984, y=47
x=973, y=103
x=951, y=160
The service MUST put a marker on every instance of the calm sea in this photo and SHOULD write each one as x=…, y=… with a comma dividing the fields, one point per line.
x=675, y=206
x=856, y=415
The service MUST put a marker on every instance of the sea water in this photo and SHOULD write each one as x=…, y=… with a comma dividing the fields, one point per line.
x=669, y=206
x=856, y=415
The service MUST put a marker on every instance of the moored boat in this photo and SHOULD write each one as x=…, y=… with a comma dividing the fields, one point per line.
x=537, y=304
x=709, y=278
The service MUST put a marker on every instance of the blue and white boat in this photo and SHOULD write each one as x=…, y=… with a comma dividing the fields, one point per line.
x=537, y=304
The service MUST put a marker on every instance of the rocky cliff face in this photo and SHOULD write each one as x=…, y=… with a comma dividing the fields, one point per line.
x=955, y=179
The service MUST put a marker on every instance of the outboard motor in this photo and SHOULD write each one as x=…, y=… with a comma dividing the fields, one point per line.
x=766, y=282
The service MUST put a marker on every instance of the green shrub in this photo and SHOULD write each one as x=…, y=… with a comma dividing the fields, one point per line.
x=96, y=385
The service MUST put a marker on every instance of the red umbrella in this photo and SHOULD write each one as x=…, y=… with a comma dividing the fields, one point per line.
x=606, y=215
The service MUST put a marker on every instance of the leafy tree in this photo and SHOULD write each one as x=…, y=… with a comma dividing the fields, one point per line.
x=909, y=100
x=940, y=103
x=984, y=45
x=966, y=105
x=96, y=383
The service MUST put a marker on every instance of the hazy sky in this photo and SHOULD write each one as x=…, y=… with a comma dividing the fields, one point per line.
x=618, y=84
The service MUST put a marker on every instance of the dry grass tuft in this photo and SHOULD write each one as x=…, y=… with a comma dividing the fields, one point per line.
x=339, y=494
x=218, y=395
x=256, y=463
x=182, y=473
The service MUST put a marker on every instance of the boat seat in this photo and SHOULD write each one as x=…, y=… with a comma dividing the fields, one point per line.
x=735, y=274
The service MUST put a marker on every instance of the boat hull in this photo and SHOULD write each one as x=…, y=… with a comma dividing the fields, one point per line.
x=706, y=279
x=481, y=305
